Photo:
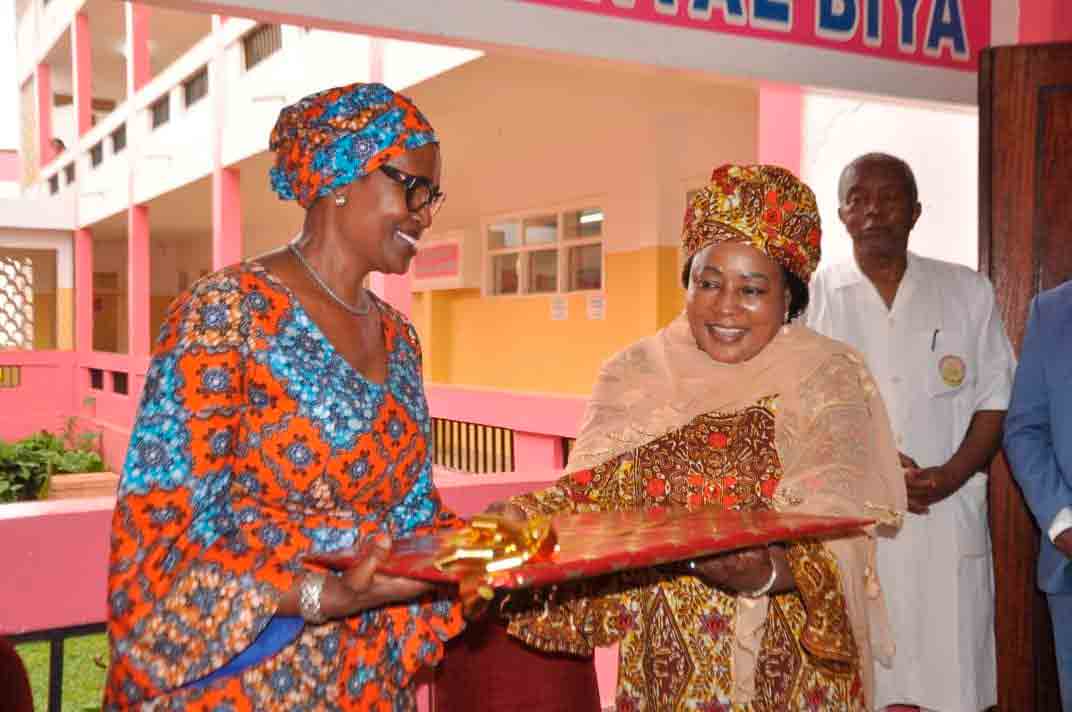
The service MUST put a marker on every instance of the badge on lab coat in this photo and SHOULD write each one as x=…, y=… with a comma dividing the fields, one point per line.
x=952, y=370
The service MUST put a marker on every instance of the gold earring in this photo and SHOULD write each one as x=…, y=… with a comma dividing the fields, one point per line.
x=340, y=199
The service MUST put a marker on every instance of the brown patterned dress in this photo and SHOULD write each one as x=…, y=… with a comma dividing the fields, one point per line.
x=676, y=633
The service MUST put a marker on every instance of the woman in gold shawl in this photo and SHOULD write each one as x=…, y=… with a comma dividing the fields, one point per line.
x=734, y=404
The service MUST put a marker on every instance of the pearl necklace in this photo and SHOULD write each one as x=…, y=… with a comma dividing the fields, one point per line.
x=356, y=311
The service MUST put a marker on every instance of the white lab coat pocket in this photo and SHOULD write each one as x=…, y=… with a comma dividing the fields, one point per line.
x=949, y=364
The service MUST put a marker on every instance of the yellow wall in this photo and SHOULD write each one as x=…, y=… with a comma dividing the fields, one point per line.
x=512, y=342
x=65, y=318
x=44, y=309
x=670, y=295
x=158, y=305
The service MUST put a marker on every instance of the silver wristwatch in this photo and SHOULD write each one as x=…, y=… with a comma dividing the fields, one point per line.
x=310, y=591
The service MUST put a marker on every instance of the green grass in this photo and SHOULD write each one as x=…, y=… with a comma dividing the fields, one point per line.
x=83, y=679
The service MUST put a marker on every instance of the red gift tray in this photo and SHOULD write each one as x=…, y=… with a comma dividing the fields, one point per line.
x=596, y=543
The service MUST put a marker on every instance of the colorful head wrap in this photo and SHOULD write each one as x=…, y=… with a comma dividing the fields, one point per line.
x=765, y=206
x=334, y=137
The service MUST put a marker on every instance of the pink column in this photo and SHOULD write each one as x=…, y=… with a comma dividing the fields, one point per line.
x=536, y=451
x=392, y=288
x=781, y=125
x=82, y=62
x=375, y=59
x=226, y=182
x=138, y=337
x=43, y=83
x=83, y=290
x=139, y=71
x=226, y=217
x=1045, y=21
x=395, y=289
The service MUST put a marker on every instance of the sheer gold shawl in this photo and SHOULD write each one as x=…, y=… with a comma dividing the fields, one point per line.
x=832, y=435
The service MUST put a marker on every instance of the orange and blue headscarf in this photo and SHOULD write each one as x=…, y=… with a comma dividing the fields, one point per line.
x=334, y=137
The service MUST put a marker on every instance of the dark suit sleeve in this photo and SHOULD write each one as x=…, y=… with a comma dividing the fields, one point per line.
x=1028, y=429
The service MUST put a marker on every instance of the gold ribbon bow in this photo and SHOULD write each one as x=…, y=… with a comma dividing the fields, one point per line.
x=489, y=544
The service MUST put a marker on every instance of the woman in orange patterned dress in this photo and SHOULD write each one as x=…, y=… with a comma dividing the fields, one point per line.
x=284, y=414
x=734, y=405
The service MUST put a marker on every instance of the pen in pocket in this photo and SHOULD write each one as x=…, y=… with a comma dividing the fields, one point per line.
x=934, y=339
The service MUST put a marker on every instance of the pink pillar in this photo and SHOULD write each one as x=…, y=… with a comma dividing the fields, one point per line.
x=226, y=182
x=43, y=83
x=83, y=290
x=139, y=71
x=138, y=337
x=82, y=62
x=226, y=217
x=375, y=59
x=781, y=125
x=1045, y=21
x=394, y=289
x=535, y=451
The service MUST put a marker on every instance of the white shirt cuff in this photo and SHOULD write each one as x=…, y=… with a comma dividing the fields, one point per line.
x=1062, y=521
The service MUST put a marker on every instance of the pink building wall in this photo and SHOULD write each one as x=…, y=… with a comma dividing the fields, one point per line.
x=10, y=165
x=1045, y=21
x=43, y=83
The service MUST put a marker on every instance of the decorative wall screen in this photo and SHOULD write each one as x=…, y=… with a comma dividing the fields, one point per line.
x=16, y=303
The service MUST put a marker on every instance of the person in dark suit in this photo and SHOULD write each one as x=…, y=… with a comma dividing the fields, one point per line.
x=1038, y=442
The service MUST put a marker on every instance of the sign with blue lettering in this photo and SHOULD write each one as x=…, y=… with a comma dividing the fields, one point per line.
x=946, y=33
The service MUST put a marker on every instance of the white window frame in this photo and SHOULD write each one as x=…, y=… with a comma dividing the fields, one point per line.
x=561, y=246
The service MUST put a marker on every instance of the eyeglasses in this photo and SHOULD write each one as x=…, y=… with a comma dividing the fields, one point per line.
x=420, y=191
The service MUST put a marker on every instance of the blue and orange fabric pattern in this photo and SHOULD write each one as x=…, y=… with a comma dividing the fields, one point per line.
x=255, y=443
x=334, y=137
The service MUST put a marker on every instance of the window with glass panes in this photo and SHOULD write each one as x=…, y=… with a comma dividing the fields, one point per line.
x=195, y=88
x=261, y=43
x=119, y=138
x=545, y=252
x=160, y=111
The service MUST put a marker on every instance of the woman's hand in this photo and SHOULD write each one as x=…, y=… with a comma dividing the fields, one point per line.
x=360, y=588
x=746, y=570
x=363, y=588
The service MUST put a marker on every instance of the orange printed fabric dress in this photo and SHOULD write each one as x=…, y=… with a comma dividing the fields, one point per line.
x=676, y=634
x=255, y=443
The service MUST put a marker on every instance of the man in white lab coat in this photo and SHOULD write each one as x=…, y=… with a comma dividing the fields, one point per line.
x=934, y=341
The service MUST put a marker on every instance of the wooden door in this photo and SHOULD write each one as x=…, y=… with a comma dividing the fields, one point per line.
x=1025, y=245
x=107, y=303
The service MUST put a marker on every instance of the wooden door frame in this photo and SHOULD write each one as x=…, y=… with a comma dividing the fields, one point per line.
x=1017, y=264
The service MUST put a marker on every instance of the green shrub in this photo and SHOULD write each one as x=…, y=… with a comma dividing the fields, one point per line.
x=27, y=465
